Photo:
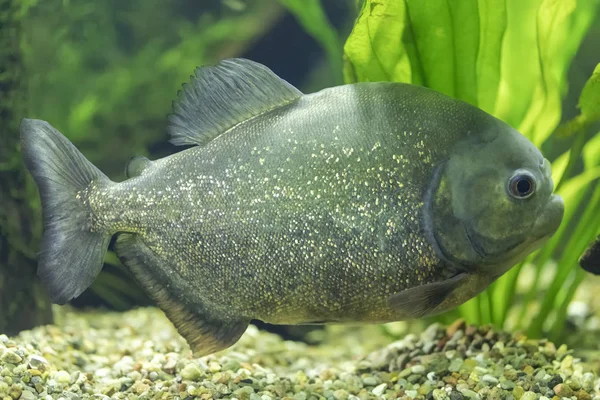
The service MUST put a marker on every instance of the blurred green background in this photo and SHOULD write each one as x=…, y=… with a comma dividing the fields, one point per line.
x=105, y=73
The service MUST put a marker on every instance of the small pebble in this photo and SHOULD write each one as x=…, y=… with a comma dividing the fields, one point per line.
x=37, y=362
x=191, y=372
x=563, y=390
x=529, y=396
x=117, y=357
x=10, y=357
x=370, y=381
x=62, y=377
x=379, y=390
x=418, y=369
x=440, y=394
x=27, y=395
x=490, y=379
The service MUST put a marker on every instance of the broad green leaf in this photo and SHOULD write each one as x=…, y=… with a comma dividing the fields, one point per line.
x=381, y=45
x=405, y=41
x=575, y=245
x=560, y=27
x=559, y=165
x=591, y=152
x=492, y=15
x=575, y=185
x=508, y=57
x=589, y=101
x=311, y=15
x=589, y=104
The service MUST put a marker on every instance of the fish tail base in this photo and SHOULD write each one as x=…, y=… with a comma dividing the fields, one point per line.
x=72, y=252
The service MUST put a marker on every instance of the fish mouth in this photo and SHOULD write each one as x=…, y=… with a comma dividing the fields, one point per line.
x=550, y=219
x=544, y=227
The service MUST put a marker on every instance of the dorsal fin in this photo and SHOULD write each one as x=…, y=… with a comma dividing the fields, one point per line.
x=219, y=97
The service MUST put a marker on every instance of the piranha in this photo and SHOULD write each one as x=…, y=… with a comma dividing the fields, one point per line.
x=361, y=203
x=590, y=259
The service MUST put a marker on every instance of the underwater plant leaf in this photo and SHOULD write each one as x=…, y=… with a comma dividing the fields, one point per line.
x=380, y=46
x=485, y=52
x=559, y=29
x=311, y=15
x=589, y=105
x=576, y=243
x=559, y=165
x=591, y=151
x=383, y=45
x=94, y=88
x=589, y=101
x=493, y=21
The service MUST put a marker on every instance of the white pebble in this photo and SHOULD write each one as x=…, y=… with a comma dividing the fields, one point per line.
x=417, y=369
x=37, y=362
x=62, y=377
x=379, y=390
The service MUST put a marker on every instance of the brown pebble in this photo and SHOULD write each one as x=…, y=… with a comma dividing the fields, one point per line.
x=457, y=325
x=470, y=330
x=583, y=395
x=563, y=390
x=450, y=380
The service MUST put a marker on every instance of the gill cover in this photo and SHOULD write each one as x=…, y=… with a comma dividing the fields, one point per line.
x=480, y=209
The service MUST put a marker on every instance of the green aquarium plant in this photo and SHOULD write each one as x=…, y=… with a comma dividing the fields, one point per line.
x=113, y=101
x=509, y=58
x=312, y=17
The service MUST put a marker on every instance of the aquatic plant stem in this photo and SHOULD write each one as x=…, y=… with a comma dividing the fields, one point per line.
x=311, y=15
x=574, y=155
x=561, y=311
x=575, y=246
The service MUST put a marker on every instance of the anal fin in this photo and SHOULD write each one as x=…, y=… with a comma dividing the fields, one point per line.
x=205, y=333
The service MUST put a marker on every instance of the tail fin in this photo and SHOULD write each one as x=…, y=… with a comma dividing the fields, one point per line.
x=71, y=254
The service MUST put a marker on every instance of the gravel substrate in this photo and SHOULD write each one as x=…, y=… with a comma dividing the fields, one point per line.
x=138, y=355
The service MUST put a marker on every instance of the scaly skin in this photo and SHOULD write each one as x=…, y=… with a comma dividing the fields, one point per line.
x=310, y=213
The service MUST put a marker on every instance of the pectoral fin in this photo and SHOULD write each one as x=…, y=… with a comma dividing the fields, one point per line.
x=206, y=332
x=422, y=300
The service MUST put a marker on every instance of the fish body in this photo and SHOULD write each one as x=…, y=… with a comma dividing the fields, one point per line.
x=370, y=202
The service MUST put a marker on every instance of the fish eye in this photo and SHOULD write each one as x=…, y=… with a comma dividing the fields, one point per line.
x=521, y=186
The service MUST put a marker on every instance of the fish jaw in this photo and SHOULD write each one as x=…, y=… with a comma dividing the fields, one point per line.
x=550, y=219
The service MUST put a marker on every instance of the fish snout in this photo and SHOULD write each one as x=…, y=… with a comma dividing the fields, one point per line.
x=551, y=217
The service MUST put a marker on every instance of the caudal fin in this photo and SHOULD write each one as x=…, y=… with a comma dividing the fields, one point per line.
x=71, y=253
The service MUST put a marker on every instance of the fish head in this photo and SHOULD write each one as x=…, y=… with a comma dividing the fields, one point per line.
x=492, y=202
